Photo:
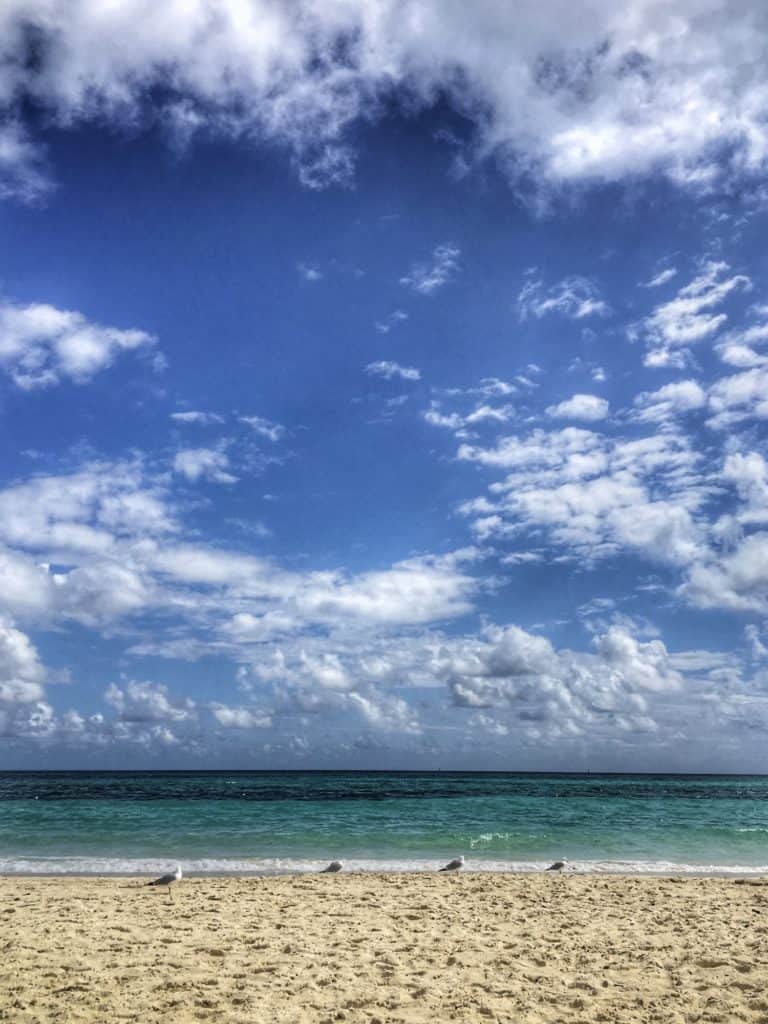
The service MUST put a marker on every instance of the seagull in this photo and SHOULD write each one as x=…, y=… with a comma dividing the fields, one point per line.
x=558, y=865
x=168, y=880
x=454, y=865
x=332, y=868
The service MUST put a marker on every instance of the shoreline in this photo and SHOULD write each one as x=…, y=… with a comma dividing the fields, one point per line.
x=398, y=949
x=212, y=868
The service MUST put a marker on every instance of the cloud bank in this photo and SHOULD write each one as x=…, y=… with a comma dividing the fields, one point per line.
x=556, y=93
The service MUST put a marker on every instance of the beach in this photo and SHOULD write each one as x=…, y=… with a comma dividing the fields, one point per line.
x=367, y=948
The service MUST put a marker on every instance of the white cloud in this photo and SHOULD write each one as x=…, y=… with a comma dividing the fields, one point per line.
x=23, y=174
x=737, y=348
x=21, y=674
x=557, y=94
x=101, y=593
x=661, y=278
x=748, y=473
x=560, y=692
x=757, y=649
x=82, y=513
x=733, y=573
x=41, y=345
x=264, y=427
x=483, y=413
x=735, y=353
x=88, y=522
x=241, y=718
x=143, y=702
x=203, y=464
x=738, y=581
x=203, y=419
x=26, y=587
x=388, y=369
x=436, y=418
x=663, y=405
x=493, y=413
x=206, y=565
x=580, y=407
x=102, y=544
x=426, y=278
x=23, y=710
x=689, y=317
x=384, y=326
x=574, y=298
x=417, y=590
x=391, y=714
x=310, y=272
x=594, y=495
x=739, y=397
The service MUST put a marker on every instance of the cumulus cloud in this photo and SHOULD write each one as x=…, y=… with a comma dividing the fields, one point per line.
x=385, y=712
x=739, y=397
x=560, y=692
x=416, y=590
x=387, y=369
x=554, y=93
x=145, y=702
x=240, y=718
x=482, y=413
x=203, y=464
x=580, y=407
x=738, y=346
x=21, y=674
x=103, y=544
x=737, y=581
x=574, y=298
x=40, y=345
x=83, y=512
x=747, y=472
x=594, y=495
x=733, y=572
x=664, y=405
x=22, y=704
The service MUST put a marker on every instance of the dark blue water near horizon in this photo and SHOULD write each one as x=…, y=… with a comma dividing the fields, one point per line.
x=262, y=821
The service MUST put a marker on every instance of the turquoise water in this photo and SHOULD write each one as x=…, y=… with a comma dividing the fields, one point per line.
x=254, y=822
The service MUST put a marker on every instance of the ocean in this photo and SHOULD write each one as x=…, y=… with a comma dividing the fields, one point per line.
x=280, y=822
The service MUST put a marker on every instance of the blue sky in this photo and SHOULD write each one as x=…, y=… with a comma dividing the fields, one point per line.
x=383, y=385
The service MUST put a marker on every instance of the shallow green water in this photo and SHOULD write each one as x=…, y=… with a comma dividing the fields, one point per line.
x=274, y=821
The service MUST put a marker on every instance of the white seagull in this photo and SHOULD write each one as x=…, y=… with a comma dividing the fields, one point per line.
x=334, y=866
x=168, y=880
x=454, y=865
x=558, y=865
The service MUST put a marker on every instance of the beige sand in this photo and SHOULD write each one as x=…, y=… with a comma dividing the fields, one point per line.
x=406, y=948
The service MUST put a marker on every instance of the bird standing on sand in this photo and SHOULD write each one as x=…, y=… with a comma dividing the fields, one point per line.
x=168, y=880
x=454, y=865
x=558, y=865
x=333, y=867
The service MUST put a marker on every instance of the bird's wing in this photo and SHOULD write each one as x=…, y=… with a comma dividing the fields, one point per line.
x=452, y=865
x=163, y=880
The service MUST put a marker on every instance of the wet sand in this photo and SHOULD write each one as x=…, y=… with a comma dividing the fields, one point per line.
x=522, y=949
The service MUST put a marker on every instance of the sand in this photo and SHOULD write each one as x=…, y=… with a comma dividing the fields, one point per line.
x=384, y=948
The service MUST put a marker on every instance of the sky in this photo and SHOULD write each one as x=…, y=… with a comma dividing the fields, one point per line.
x=384, y=385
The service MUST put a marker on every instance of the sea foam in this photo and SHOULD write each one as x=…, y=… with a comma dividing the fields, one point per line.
x=123, y=866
